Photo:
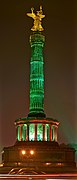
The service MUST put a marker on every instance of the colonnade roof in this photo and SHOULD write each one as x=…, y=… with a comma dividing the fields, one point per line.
x=36, y=118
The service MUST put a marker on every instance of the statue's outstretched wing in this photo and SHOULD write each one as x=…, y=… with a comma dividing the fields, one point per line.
x=42, y=16
x=31, y=15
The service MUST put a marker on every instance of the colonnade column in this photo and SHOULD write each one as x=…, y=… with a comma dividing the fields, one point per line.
x=27, y=133
x=54, y=136
x=50, y=132
x=20, y=132
x=55, y=132
x=43, y=132
x=35, y=138
x=17, y=132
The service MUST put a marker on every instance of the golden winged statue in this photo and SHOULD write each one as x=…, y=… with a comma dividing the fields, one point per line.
x=37, y=19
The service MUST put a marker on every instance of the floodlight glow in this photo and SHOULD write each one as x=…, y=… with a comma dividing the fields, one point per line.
x=23, y=152
x=1, y=165
x=31, y=152
x=48, y=164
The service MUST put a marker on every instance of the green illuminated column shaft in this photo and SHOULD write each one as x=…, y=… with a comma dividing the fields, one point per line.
x=37, y=76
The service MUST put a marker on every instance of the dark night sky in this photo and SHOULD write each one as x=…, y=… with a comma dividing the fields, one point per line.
x=60, y=65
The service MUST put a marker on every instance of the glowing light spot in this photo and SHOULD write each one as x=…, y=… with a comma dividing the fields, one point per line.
x=19, y=163
x=48, y=164
x=23, y=152
x=1, y=165
x=60, y=164
x=31, y=152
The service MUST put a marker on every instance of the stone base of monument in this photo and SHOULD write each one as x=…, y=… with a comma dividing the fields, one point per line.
x=47, y=157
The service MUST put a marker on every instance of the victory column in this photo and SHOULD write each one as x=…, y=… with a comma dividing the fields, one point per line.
x=36, y=149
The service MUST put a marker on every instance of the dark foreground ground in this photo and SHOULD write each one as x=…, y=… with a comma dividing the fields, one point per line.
x=39, y=177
